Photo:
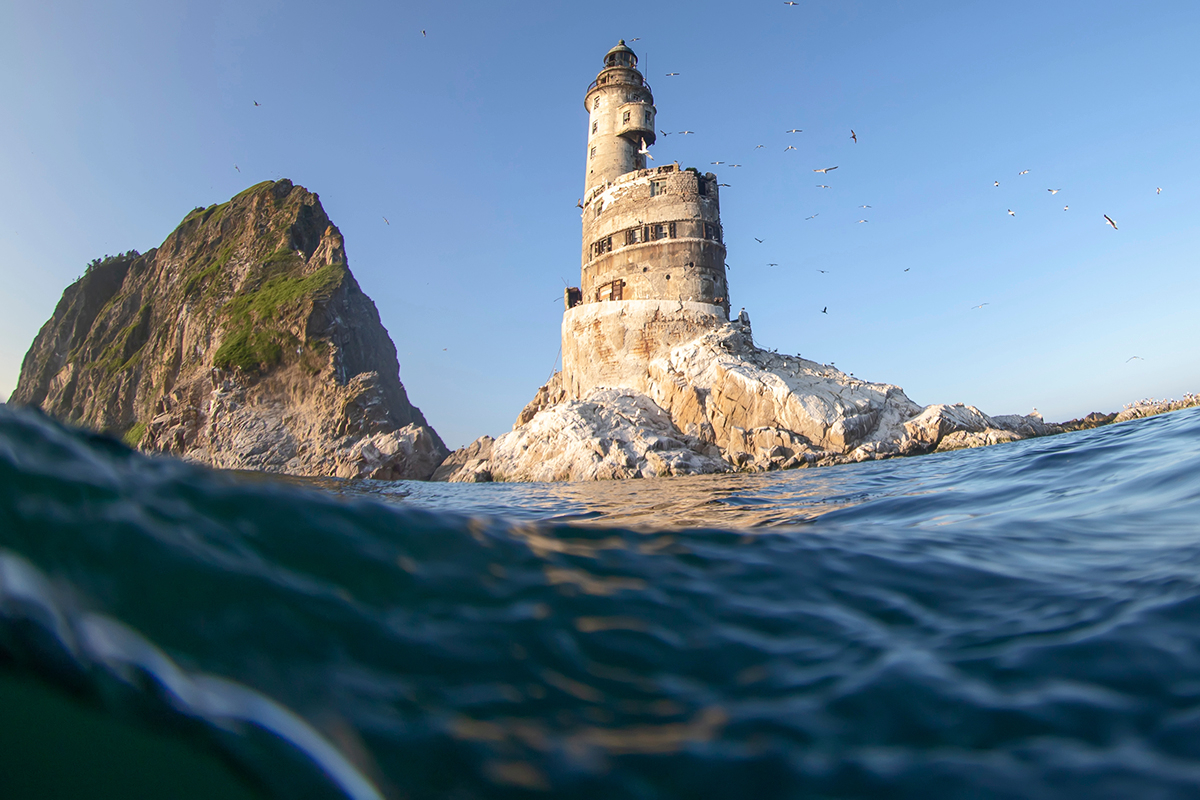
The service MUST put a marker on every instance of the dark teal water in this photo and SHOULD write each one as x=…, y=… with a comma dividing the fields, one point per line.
x=1020, y=621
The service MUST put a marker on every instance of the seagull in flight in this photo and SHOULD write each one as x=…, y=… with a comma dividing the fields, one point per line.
x=758, y=240
x=1054, y=191
x=645, y=151
x=823, y=272
x=735, y=165
x=906, y=269
x=772, y=265
x=257, y=103
x=634, y=39
x=672, y=74
x=757, y=146
x=579, y=203
x=1012, y=213
x=1131, y=358
x=790, y=3
x=822, y=186
x=235, y=166
x=789, y=147
x=726, y=185
x=864, y=220
x=716, y=162
x=864, y=206
x=996, y=183
x=1108, y=219
x=823, y=171
x=794, y=130
x=981, y=305
x=385, y=219
x=854, y=136
x=1158, y=190
x=665, y=133
x=685, y=133
x=814, y=216
x=825, y=310
x=1023, y=172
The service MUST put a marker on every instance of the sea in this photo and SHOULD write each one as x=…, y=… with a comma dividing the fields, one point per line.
x=1016, y=621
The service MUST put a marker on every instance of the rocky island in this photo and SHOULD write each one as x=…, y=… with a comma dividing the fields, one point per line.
x=243, y=342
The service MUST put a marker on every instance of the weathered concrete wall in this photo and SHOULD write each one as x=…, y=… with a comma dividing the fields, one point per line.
x=611, y=344
x=657, y=234
x=620, y=116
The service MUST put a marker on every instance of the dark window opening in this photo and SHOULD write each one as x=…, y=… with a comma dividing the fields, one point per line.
x=593, y=155
x=701, y=187
x=647, y=117
x=711, y=231
x=574, y=296
x=595, y=125
x=596, y=103
x=602, y=246
x=625, y=117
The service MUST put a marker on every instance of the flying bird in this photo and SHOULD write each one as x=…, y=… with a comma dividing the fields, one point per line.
x=823, y=272
x=757, y=146
x=685, y=133
x=1054, y=191
x=1065, y=208
x=645, y=151
x=257, y=103
x=906, y=269
x=790, y=3
x=716, y=162
x=235, y=166
x=1156, y=191
x=672, y=74
x=822, y=186
x=758, y=240
x=981, y=305
x=825, y=310
x=1131, y=358
x=864, y=206
x=634, y=39
x=997, y=183
x=1023, y=172
x=385, y=219
x=1012, y=213
x=864, y=220
x=726, y=185
x=579, y=203
x=823, y=171
x=772, y=265
x=735, y=165
x=789, y=147
x=854, y=136
x=794, y=130
x=814, y=216
x=665, y=133
x=1108, y=219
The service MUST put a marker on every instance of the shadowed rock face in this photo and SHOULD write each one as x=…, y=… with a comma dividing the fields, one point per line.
x=243, y=341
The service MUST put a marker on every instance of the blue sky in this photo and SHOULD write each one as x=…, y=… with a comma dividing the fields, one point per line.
x=121, y=117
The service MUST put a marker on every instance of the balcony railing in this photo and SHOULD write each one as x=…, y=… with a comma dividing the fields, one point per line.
x=607, y=79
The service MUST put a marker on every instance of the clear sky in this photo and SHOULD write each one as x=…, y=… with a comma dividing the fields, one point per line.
x=118, y=118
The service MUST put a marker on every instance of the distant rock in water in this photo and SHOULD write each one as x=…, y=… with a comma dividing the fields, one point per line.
x=242, y=342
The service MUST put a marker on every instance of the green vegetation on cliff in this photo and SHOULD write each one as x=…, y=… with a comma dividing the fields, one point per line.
x=256, y=334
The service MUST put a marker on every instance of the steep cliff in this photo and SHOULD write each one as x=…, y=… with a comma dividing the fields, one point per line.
x=243, y=341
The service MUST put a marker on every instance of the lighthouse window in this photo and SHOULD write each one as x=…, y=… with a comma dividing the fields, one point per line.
x=664, y=230
x=647, y=117
x=602, y=246
x=596, y=102
x=657, y=188
x=625, y=117
x=634, y=236
x=711, y=231
x=701, y=187
x=595, y=125
x=593, y=155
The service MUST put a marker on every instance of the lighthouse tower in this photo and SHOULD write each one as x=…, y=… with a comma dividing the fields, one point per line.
x=653, y=272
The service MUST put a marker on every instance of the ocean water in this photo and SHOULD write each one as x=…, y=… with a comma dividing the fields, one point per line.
x=1019, y=621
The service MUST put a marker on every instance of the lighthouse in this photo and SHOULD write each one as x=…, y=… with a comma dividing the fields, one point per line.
x=653, y=255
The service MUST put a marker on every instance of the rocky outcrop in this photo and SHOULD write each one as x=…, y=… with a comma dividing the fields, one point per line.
x=717, y=403
x=243, y=342
x=1151, y=407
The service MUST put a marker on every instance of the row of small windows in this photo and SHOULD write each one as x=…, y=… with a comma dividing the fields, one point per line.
x=649, y=233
